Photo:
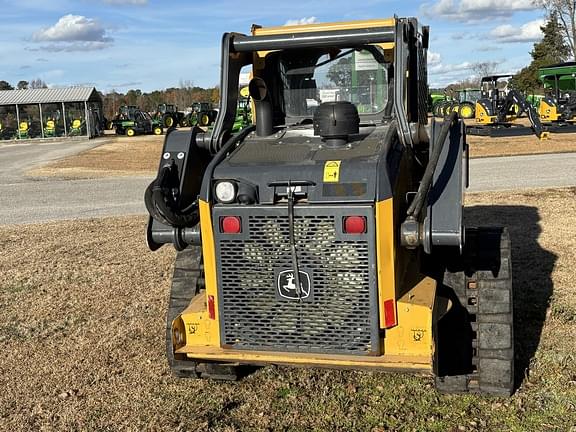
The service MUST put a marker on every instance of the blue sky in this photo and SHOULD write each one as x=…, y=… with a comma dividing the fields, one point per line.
x=153, y=44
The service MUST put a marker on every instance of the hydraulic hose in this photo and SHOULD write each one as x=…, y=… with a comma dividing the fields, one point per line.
x=161, y=201
x=418, y=201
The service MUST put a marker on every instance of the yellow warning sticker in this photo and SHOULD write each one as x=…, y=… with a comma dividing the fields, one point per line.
x=332, y=171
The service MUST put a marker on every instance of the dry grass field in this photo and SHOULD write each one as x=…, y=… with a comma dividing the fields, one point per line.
x=81, y=335
x=140, y=155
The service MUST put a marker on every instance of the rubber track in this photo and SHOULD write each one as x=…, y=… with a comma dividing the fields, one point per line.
x=484, y=288
x=187, y=282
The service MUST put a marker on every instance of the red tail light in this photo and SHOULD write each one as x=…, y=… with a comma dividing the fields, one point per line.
x=230, y=224
x=354, y=224
x=211, y=307
x=389, y=314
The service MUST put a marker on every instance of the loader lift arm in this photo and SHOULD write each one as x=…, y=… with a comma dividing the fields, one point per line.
x=515, y=97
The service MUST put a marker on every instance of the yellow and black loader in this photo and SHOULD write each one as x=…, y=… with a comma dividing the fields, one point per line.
x=329, y=233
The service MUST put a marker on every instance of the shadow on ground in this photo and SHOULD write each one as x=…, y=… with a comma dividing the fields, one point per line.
x=532, y=268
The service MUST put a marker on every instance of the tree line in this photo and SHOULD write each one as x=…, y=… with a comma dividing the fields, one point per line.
x=22, y=84
x=182, y=97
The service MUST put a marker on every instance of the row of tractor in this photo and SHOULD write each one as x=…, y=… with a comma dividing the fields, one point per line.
x=202, y=114
x=51, y=128
x=131, y=120
x=497, y=105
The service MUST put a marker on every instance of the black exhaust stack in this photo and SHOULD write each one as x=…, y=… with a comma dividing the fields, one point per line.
x=259, y=93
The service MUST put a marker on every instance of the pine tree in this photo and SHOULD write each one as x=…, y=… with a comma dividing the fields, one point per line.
x=550, y=50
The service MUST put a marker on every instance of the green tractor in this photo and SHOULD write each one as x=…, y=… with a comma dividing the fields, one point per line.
x=202, y=114
x=462, y=101
x=131, y=121
x=52, y=123
x=466, y=101
x=243, y=113
x=435, y=98
x=29, y=129
x=168, y=115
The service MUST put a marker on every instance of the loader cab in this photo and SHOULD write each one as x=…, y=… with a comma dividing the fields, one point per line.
x=301, y=81
x=494, y=88
x=166, y=108
x=300, y=74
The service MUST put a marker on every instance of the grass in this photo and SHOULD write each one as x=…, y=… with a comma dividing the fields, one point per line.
x=83, y=344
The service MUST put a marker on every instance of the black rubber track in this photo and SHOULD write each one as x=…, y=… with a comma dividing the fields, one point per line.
x=482, y=360
x=187, y=281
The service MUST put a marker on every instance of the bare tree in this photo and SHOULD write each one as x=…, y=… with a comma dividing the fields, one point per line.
x=485, y=68
x=37, y=83
x=565, y=12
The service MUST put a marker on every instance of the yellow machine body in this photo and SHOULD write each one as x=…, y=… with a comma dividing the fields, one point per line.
x=482, y=115
x=407, y=320
x=409, y=344
x=548, y=111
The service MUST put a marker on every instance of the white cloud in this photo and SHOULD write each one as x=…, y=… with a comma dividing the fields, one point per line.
x=434, y=58
x=73, y=28
x=448, y=68
x=301, y=21
x=529, y=32
x=475, y=10
x=72, y=46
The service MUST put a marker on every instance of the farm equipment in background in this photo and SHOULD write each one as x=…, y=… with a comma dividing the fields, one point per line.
x=202, y=114
x=132, y=121
x=323, y=236
x=558, y=108
x=50, y=128
x=168, y=115
x=7, y=132
x=29, y=129
x=466, y=101
x=435, y=98
x=534, y=100
x=24, y=129
x=243, y=114
x=461, y=101
x=76, y=127
x=498, y=108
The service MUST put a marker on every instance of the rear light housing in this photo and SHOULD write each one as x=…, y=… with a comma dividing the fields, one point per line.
x=230, y=224
x=354, y=225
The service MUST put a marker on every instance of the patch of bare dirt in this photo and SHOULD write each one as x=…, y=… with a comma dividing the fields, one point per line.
x=522, y=145
x=122, y=156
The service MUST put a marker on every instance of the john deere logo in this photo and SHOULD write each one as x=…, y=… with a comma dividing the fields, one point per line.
x=286, y=285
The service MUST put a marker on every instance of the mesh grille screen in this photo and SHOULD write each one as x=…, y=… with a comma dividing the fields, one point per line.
x=335, y=319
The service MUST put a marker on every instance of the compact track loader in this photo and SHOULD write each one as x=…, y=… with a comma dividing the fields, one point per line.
x=329, y=233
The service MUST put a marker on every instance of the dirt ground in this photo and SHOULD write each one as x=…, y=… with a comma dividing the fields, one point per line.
x=522, y=145
x=140, y=155
x=81, y=335
x=120, y=156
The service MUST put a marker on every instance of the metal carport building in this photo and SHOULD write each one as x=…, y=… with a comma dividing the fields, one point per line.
x=50, y=112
